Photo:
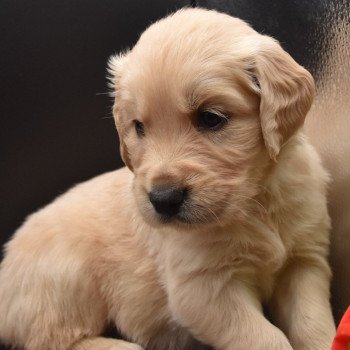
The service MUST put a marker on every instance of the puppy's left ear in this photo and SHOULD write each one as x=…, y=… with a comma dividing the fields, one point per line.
x=286, y=94
x=115, y=68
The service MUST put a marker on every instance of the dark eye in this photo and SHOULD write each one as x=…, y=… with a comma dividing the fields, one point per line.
x=211, y=121
x=139, y=128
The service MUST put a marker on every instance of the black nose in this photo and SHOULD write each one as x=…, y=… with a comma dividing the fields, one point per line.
x=167, y=200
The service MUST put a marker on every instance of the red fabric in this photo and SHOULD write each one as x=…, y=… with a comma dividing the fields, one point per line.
x=342, y=338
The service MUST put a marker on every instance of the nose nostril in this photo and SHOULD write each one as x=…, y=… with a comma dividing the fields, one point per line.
x=167, y=200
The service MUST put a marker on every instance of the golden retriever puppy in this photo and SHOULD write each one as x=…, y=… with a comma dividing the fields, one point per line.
x=222, y=207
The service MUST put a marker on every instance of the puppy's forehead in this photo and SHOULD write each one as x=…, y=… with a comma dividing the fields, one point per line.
x=193, y=28
x=186, y=54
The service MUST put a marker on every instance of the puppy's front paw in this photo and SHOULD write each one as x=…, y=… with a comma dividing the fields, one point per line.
x=100, y=343
x=123, y=345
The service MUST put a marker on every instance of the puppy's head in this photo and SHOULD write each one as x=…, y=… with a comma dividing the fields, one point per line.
x=203, y=105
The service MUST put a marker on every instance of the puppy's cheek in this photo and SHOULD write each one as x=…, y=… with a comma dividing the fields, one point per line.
x=133, y=150
x=219, y=201
x=143, y=204
x=206, y=201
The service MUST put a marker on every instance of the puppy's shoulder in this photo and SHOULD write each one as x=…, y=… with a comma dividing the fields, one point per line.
x=89, y=212
x=108, y=189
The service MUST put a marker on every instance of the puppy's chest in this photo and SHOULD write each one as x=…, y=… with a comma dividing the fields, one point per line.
x=253, y=251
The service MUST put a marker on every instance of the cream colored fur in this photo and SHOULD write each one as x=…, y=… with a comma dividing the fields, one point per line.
x=257, y=222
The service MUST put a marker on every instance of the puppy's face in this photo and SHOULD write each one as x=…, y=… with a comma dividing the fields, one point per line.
x=203, y=105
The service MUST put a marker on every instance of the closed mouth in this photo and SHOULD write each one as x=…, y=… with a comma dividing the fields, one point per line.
x=183, y=217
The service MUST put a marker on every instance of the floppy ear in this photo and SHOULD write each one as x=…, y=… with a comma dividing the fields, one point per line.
x=115, y=68
x=286, y=94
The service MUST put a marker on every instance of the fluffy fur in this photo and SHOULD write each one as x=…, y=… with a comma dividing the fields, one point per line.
x=255, y=225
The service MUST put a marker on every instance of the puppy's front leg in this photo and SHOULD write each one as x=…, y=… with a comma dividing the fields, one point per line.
x=223, y=313
x=100, y=343
x=301, y=305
